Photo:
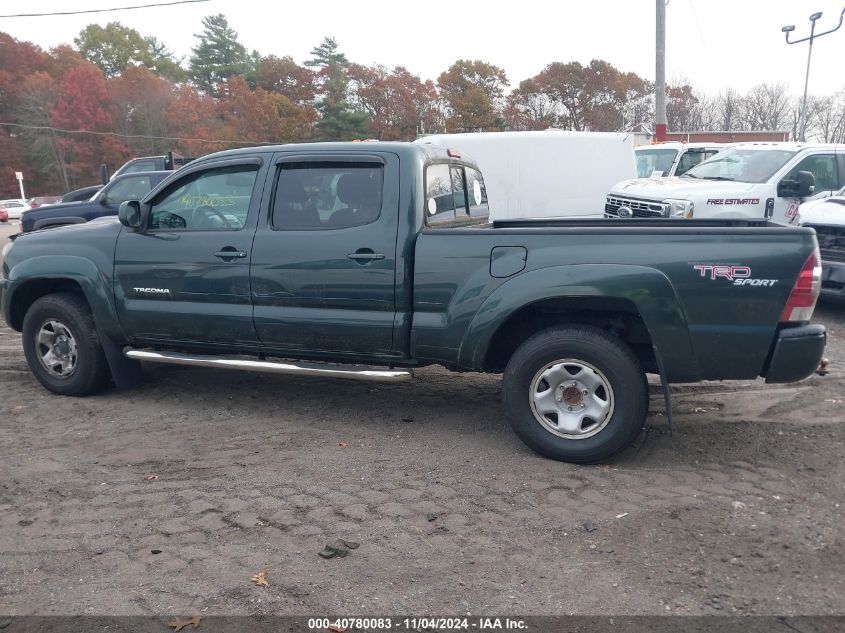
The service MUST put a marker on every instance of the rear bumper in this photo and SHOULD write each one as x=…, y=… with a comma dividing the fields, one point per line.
x=796, y=353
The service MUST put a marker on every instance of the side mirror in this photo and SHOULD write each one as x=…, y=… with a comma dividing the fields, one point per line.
x=806, y=184
x=803, y=186
x=129, y=214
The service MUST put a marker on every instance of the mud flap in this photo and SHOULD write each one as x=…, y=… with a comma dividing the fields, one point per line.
x=664, y=384
x=125, y=372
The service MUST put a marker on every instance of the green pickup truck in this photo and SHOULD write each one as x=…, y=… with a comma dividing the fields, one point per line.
x=366, y=260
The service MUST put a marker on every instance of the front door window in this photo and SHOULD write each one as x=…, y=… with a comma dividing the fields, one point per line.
x=212, y=200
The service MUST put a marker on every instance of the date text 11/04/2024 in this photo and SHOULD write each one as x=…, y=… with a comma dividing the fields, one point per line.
x=418, y=623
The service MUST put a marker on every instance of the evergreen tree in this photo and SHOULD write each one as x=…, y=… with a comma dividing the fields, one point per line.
x=338, y=121
x=218, y=55
x=162, y=61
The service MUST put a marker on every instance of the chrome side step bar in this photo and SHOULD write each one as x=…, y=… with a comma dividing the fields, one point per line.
x=298, y=369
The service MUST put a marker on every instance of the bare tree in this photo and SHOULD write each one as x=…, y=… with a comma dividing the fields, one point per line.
x=828, y=120
x=769, y=107
x=728, y=113
x=40, y=142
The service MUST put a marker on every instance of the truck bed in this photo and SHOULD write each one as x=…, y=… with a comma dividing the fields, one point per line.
x=710, y=292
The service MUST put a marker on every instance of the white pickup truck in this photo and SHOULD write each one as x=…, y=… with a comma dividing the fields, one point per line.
x=673, y=158
x=827, y=217
x=751, y=180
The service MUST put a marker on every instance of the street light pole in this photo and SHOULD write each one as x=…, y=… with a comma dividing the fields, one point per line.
x=789, y=29
x=803, y=124
x=660, y=74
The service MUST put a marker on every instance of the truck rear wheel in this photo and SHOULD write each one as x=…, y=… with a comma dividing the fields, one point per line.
x=61, y=345
x=575, y=394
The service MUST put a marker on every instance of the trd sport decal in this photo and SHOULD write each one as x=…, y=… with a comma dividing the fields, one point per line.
x=737, y=275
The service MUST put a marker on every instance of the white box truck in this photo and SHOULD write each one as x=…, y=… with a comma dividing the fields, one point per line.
x=553, y=173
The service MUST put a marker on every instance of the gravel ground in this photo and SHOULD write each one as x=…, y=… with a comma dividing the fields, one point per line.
x=167, y=498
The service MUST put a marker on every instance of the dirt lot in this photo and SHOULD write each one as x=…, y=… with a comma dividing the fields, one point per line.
x=739, y=512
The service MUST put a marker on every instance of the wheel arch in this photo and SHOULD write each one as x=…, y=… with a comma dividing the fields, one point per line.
x=615, y=315
x=31, y=291
x=36, y=277
x=636, y=303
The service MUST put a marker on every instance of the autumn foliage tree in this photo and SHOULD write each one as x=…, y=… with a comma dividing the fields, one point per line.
x=284, y=76
x=473, y=92
x=121, y=93
x=84, y=104
x=258, y=116
x=400, y=105
x=592, y=97
x=529, y=108
x=141, y=101
x=194, y=120
x=18, y=60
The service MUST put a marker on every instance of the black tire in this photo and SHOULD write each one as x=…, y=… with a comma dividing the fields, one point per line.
x=591, y=346
x=91, y=372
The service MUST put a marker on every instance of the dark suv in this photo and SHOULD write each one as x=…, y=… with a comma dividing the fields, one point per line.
x=133, y=186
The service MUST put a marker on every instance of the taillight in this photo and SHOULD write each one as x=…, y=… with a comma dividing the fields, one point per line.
x=802, y=299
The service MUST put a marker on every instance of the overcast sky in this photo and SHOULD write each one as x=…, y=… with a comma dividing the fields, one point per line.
x=714, y=43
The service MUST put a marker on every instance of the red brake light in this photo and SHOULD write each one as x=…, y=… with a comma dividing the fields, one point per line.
x=802, y=300
x=453, y=153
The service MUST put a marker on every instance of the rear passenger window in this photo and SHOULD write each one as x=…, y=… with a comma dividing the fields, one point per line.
x=454, y=193
x=439, y=199
x=323, y=196
x=459, y=191
x=476, y=194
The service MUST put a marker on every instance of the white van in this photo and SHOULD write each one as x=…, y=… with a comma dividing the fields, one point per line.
x=750, y=180
x=553, y=173
x=673, y=158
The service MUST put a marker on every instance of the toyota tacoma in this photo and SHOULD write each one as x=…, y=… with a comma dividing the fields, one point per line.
x=367, y=260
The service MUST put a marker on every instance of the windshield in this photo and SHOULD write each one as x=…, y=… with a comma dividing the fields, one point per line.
x=654, y=160
x=743, y=165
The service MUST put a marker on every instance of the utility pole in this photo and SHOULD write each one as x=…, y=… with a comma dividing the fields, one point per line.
x=813, y=35
x=660, y=75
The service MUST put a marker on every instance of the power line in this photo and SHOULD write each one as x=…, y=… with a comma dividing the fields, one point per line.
x=144, y=136
x=697, y=25
x=137, y=6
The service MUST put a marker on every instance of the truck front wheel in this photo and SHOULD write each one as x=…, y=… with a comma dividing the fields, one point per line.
x=61, y=345
x=575, y=394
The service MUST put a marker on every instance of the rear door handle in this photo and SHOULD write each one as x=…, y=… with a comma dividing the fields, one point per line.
x=229, y=253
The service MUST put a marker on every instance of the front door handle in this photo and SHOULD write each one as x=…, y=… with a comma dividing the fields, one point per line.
x=229, y=253
x=364, y=255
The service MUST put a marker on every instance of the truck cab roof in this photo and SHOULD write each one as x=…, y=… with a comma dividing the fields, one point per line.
x=794, y=146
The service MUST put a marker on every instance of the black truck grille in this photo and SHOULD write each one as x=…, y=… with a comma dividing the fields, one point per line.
x=831, y=242
x=640, y=208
